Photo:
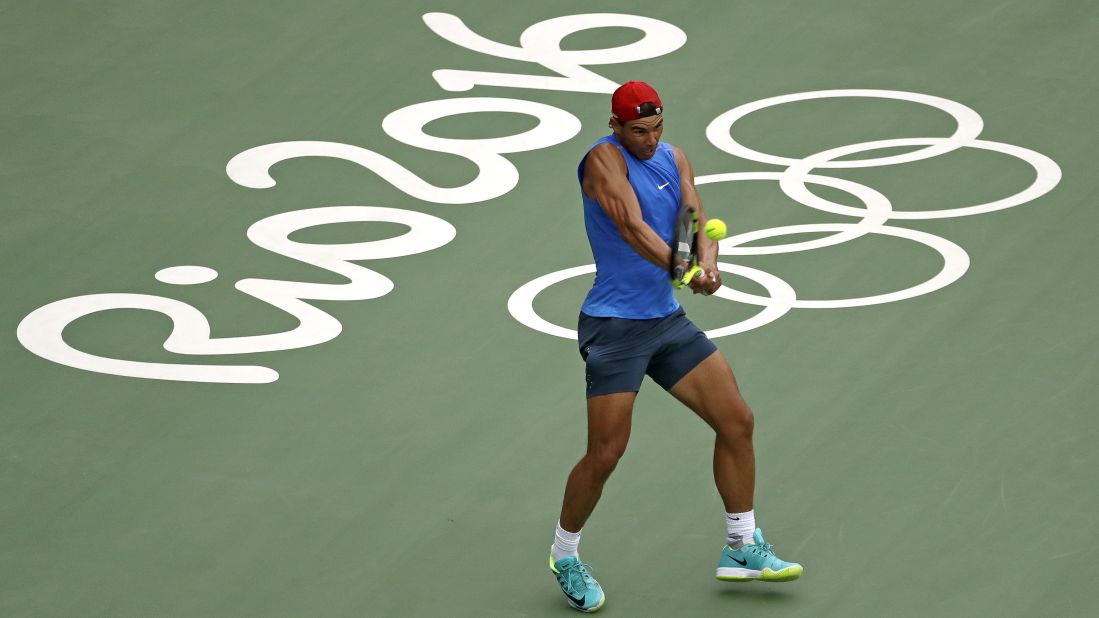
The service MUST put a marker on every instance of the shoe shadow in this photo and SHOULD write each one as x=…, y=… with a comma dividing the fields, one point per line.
x=756, y=594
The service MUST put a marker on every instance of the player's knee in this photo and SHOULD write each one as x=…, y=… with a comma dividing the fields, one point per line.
x=605, y=459
x=739, y=424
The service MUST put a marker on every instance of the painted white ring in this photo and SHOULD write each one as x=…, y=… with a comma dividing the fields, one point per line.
x=969, y=126
x=1047, y=175
x=955, y=264
x=521, y=302
x=877, y=212
x=783, y=298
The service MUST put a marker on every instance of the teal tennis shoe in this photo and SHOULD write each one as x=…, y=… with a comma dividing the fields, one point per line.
x=580, y=588
x=755, y=562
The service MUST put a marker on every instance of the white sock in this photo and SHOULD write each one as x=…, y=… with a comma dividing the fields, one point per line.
x=741, y=528
x=565, y=543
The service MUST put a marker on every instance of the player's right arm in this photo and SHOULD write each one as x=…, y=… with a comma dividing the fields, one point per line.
x=605, y=181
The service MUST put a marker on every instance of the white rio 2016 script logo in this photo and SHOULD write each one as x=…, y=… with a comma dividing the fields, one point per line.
x=41, y=331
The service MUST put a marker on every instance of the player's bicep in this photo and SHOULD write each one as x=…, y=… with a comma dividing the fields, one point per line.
x=605, y=182
x=688, y=194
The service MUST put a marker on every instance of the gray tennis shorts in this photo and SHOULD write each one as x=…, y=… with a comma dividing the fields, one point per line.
x=620, y=352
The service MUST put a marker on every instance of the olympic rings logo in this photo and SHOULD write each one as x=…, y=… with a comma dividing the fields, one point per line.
x=873, y=218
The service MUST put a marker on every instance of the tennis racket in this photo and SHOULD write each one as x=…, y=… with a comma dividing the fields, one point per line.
x=683, y=266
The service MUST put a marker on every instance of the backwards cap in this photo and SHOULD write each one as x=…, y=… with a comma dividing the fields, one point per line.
x=635, y=100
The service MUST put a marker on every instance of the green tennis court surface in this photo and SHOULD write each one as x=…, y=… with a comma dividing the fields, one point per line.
x=924, y=381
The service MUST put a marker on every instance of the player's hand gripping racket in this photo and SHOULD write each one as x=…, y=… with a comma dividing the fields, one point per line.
x=683, y=266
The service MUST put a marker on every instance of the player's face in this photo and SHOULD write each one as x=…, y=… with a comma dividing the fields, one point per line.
x=640, y=136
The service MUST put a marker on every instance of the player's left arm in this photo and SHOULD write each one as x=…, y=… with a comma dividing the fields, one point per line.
x=710, y=279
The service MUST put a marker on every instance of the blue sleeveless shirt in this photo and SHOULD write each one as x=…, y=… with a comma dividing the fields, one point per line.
x=626, y=284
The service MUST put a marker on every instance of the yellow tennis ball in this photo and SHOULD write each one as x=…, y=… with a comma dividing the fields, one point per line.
x=715, y=229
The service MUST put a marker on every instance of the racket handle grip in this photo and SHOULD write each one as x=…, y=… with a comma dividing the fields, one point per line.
x=693, y=272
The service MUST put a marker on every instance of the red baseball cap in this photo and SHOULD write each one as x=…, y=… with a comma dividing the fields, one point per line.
x=635, y=100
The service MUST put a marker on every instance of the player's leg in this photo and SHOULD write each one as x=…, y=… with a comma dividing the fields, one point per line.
x=609, y=420
x=615, y=354
x=691, y=369
x=711, y=391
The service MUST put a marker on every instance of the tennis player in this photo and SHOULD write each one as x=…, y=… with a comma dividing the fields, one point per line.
x=631, y=326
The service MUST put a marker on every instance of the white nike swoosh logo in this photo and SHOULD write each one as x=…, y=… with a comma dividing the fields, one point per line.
x=661, y=187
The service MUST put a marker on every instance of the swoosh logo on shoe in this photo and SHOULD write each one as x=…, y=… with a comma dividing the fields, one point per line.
x=575, y=600
x=740, y=562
